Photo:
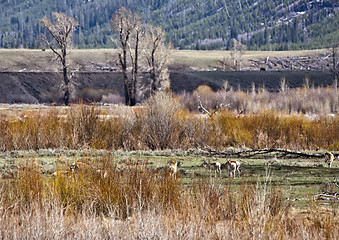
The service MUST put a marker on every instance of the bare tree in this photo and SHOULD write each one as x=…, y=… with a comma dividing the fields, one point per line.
x=157, y=56
x=128, y=26
x=238, y=50
x=335, y=63
x=61, y=28
x=142, y=49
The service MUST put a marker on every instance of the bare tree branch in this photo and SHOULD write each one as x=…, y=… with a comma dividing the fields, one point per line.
x=157, y=54
x=142, y=49
x=125, y=23
x=61, y=29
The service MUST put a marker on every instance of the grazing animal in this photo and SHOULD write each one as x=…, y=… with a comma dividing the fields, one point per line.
x=76, y=166
x=173, y=167
x=215, y=166
x=232, y=167
x=62, y=173
x=103, y=173
x=329, y=158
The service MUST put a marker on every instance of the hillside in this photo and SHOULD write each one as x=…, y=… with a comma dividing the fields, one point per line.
x=199, y=24
x=31, y=76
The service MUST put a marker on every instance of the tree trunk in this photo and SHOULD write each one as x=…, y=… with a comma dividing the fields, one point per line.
x=133, y=99
x=127, y=100
x=154, y=85
x=131, y=93
x=152, y=72
x=133, y=87
x=66, y=82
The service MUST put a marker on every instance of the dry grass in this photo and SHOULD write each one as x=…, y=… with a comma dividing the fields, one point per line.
x=312, y=102
x=37, y=60
x=136, y=202
x=209, y=60
x=163, y=123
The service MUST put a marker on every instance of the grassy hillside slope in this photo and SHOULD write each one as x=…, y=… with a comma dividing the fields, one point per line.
x=25, y=60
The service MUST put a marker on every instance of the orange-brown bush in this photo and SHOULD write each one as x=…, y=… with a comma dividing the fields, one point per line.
x=270, y=130
x=25, y=188
x=162, y=123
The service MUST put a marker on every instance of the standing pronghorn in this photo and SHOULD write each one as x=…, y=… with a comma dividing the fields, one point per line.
x=329, y=158
x=173, y=168
x=216, y=166
x=232, y=167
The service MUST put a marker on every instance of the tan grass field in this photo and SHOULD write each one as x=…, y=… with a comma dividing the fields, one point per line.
x=38, y=60
x=208, y=60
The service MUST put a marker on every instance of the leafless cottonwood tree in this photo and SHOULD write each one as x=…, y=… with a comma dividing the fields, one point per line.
x=61, y=28
x=238, y=50
x=334, y=70
x=141, y=48
x=127, y=25
x=157, y=56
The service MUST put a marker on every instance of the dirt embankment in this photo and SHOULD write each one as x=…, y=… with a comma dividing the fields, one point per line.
x=40, y=87
x=44, y=87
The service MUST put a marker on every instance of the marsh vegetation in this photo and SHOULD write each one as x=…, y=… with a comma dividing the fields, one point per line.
x=138, y=198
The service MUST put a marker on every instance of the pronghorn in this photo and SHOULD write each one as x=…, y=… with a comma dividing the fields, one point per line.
x=232, y=167
x=76, y=166
x=329, y=158
x=103, y=173
x=62, y=173
x=216, y=166
x=173, y=167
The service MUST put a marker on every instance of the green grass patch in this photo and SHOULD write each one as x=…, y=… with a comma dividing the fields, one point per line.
x=298, y=179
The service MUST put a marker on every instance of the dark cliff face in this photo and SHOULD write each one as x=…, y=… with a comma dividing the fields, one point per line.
x=44, y=87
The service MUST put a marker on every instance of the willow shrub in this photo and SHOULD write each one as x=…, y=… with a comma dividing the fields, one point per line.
x=271, y=130
x=163, y=123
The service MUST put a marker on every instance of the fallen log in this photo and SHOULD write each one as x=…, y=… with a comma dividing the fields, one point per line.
x=255, y=152
x=325, y=196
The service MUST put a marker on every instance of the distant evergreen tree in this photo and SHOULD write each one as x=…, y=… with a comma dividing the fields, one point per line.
x=301, y=24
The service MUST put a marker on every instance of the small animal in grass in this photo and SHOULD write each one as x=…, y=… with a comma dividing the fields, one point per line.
x=173, y=167
x=232, y=166
x=329, y=158
x=103, y=173
x=78, y=166
x=213, y=166
x=62, y=173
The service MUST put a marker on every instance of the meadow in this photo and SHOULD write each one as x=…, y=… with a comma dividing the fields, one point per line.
x=273, y=198
x=276, y=196
x=37, y=60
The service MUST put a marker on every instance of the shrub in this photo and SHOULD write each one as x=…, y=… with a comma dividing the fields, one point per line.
x=113, y=98
x=321, y=101
x=162, y=122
